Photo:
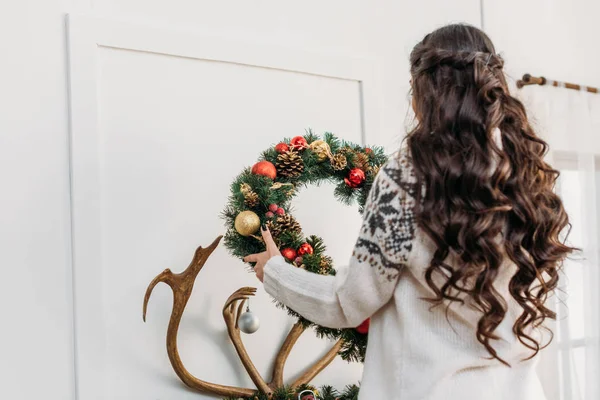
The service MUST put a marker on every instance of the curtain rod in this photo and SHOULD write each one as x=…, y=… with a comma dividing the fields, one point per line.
x=532, y=80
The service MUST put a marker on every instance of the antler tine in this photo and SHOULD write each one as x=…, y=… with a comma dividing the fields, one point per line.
x=167, y=277
x=231, y=317
x=240, y=294
x=239, y=312
x=284, y=352
x=320, y=365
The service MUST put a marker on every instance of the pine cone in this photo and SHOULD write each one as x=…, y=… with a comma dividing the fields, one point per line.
x=290, y=164
x=325, y=265
x=339, y=162
x=284, y=223
x=345, y=150
x=251, y=199
x=361, y=160
x=376, y=169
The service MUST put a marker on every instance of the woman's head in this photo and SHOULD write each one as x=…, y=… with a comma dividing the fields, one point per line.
x=485, y=178
x=451, y=65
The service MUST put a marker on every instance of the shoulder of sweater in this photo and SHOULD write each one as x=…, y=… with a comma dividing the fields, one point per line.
x=389, y=219
x=399, y=171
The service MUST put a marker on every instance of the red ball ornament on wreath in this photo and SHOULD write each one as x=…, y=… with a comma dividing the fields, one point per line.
x=305, y=248
x=355, y=177
x=363, y=328
x=282, y=148
x=299, y=143
x=265, y=168
x=289, y=254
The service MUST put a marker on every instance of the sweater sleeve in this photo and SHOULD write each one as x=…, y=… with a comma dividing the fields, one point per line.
x=380, y=253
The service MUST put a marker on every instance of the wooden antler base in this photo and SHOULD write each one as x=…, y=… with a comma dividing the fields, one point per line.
x=182, y=285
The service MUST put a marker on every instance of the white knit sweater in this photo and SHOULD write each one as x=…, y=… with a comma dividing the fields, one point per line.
x=414, y=352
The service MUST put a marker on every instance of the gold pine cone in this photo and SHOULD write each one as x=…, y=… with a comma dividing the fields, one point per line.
x=251, y=199
x=346, y=150
x=339, y=162
x=325, y=265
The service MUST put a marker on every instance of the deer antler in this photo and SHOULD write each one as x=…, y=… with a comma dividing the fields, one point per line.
x=284, y=352
x=231, y=314
x=182, y=285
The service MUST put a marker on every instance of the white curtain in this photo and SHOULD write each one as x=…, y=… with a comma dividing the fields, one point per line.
x=570, y=121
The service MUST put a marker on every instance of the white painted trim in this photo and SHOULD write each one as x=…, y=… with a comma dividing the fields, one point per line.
x=86, y=35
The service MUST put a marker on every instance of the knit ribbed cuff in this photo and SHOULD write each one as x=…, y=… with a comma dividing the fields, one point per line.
x=273, y=268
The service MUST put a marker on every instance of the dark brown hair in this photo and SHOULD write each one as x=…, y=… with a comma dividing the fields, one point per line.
x=477, y=191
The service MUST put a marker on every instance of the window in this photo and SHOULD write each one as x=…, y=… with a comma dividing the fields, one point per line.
x=578, y=306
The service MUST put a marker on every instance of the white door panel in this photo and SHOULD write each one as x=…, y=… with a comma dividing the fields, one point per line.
x=164, y=131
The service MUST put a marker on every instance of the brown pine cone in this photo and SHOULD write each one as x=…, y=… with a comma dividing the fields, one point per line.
x=361, y=160
x=376, y=169
x=284, y=223
x=290, y=164
x=339, y=162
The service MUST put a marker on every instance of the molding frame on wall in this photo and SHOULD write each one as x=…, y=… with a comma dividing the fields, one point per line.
x=85, y=36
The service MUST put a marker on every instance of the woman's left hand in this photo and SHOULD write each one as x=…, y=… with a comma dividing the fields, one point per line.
x=261, y=259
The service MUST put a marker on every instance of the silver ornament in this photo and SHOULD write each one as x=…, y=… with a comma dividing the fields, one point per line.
x=248, y=322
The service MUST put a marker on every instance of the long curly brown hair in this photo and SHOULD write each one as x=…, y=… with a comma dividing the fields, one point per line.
x=483, y=201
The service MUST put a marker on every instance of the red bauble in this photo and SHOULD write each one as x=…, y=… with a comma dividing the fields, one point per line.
x=280, y=211
x=273, y=207
x=269, y=214
x=305, y=248
x=364, y=327
x=299, y=143
x=282, y=148
x=355, y=177
x=368, y=150
x=289, y=253
x=265, y=168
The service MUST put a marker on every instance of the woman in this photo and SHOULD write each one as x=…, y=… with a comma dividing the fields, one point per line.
x=459, y=249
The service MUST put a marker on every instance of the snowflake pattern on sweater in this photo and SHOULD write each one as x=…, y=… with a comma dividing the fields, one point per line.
x=385, y=240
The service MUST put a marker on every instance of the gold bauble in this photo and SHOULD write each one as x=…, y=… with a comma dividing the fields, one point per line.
x=247, y=223
x=321, y=149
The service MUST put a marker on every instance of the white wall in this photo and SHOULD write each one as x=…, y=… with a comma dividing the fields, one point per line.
x=35, y=234
x=557, y=38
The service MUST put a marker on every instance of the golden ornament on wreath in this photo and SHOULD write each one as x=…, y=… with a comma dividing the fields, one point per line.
x=321, y=149
x=246, y=223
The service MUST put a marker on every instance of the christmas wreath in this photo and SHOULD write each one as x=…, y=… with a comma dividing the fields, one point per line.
x=263, y=195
